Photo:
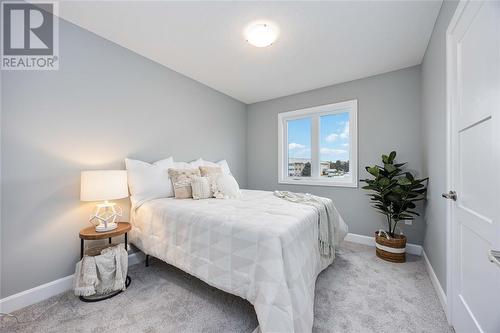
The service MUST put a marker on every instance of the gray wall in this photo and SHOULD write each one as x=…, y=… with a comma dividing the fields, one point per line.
x=104, y=103
x=388, y=119
x=434, y=141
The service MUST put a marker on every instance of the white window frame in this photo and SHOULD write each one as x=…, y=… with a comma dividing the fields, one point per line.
x=315, y=113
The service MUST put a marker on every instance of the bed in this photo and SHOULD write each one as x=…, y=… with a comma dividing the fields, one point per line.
x=259, y=247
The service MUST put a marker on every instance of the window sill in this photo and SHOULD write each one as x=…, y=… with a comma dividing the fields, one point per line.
x=319, y=182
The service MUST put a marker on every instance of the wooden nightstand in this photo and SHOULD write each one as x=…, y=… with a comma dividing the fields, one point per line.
x=89, y=233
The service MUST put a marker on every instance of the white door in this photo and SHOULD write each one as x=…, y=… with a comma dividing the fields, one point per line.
x=473, y=42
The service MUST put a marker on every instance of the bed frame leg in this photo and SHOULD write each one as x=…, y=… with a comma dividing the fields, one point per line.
x=147, y=260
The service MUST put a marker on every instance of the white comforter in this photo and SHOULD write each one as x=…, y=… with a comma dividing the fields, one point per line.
x=260, y=247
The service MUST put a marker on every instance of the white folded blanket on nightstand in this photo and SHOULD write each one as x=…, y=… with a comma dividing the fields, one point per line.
x=102, y=274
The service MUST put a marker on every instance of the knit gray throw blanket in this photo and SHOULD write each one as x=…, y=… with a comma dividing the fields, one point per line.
x=325, y=209
x=103, y=273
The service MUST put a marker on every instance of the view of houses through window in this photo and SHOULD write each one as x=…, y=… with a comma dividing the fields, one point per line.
x=318, y=145
x=299, y=147
x=333, y=146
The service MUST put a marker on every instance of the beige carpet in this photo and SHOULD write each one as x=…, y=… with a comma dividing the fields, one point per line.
x=359, y=293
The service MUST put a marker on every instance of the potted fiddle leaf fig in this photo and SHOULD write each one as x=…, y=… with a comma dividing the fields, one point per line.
x=394, y=193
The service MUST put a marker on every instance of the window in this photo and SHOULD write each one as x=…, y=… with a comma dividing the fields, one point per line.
x=318, y=145
x=299, y=147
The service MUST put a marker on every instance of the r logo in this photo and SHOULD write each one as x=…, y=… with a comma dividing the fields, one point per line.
x=28, y=29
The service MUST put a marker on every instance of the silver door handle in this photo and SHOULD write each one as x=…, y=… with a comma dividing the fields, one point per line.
x=494, y=257
x=452, y=195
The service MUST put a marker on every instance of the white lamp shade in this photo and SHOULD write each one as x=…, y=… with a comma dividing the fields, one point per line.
x=100, y=185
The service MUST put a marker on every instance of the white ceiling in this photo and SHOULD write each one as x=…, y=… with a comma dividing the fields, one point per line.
x=320, y=43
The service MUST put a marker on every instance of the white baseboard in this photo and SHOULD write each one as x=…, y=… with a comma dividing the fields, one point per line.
x=368, y=240
x=437, y=286
x=35, y=295
x=47, y=290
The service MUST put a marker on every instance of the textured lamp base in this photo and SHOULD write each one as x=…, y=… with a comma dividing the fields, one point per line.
x=103, y=228
x=106, y=214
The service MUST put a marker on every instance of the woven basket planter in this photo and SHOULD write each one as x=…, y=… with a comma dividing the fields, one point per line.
x=392, y=249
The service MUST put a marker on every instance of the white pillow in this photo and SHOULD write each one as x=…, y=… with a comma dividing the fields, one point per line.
x=227, y=188
x=201, y=162
x=225, y=167
x=149, y=181
x=201, y=188
x=182, y=165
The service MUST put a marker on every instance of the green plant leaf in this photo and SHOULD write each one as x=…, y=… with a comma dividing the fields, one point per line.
x=373, y=171
x=384, y=181
x=404, y=181
x=389, y=167
x=392, y=156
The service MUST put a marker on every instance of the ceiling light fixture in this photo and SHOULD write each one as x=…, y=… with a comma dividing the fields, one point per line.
x=261, y=34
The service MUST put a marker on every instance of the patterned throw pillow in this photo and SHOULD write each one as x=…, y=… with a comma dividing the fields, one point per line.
x=201, y=188
x=181, y=181
x=211, y=171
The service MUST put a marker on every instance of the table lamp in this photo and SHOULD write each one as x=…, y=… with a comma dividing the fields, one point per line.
x=104, y=185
